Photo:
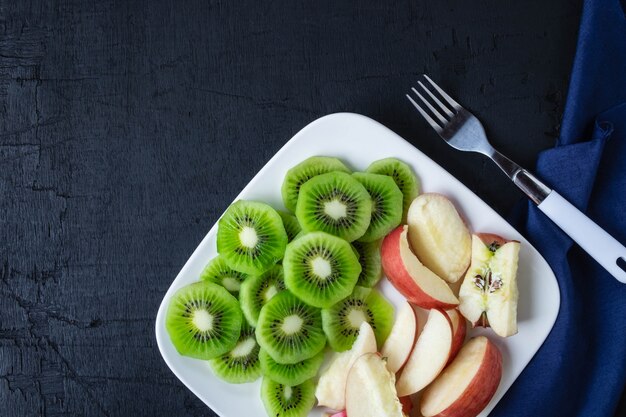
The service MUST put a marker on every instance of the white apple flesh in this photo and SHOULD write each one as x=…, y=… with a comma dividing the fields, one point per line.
x=400, y=341
x=418, y=284
x=466, y=386
x=439, y=237
x=370, y=389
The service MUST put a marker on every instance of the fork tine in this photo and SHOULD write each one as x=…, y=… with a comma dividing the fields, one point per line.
x=436, y=100
x=425, y=115
x=449, y=99
x=434, y=111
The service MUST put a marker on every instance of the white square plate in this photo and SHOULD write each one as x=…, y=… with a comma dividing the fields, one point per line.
x=358, y=141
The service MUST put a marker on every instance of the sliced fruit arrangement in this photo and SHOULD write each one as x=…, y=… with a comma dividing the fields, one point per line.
x=399, y=344
x=403, y=176
x=371, y=266
x=386, y=205
x=290, y=374
x=257, y=290
x=287, y=401
x=292, y=227
x=217, y=271
x=241, y=364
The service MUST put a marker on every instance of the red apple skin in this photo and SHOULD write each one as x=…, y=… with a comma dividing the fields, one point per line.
x=340, y=414
x=407, y=404
x=400, y=278
x=458, y=333
x=482, y=388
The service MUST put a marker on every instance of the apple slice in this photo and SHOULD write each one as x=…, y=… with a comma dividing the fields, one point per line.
x=370, y=389
x=459, y=330
x=489, y=291
x=417, y=283
x=439, y=236
x=400, y=341
x=466, y=386
x=331, y=388
x=429, y=356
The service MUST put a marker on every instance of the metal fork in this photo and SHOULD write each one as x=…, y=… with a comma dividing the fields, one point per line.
x=463, y=131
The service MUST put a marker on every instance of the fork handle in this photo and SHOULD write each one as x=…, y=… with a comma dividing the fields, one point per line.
x=603, y=247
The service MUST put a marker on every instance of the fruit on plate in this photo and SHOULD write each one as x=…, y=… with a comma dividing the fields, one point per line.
x=251, y=237
x=411, y=278
x=489, y=292
x=320, y=269
x=241, y=364
x=290, y=374
x=403, y=176
x=386, y=206
x=343, y=319
x=203, y=320
x=334, y=203
x=292, y=227
x=303, y=172
x=401, y=340
x=439, y=237
x=290, y=330
x=370, y=389
x=331, y=388
x=429, y=355
x=257, y=290
x=459, y=330
x=218, y=272
x=287, y=401
x=466, y=386
x=371, y=266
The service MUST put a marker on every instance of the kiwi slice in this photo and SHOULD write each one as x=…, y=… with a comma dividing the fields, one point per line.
x=257, y=290
x=320, y=269
x=404, y=177
x=334, y=203
x=203, y=320
x=290, y=374
x=287, y=401
x=251, y=237
x=371, y=263
x=218, y=272
x=303, y=172
x=386, y=204
x=290, y=330
x=292, y=227
x=242, y=363
x=341, y=322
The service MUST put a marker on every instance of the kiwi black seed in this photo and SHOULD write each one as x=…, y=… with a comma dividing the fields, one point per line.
x=292, y=227
x=320, y=269
x=290, y=330
x=287, y=401
x=290, y=374
x=404, y=177
x=303, y=172
x=218, y=272
x=257, y=290
x=334, y=203
x=386, y=204
x=342, y=321
x=251, y=237
x=203, y=320
x=241, y=364
x=371, y=263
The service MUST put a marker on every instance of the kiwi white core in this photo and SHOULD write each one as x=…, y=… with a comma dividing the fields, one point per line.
x=287, y=392
x=292, y=324
x=248, y=237
x=335, y=209
x=243, y=348
x=231, y=284
x=202, y=320
x=270, y=292
x=321, y=267
x=355, y=318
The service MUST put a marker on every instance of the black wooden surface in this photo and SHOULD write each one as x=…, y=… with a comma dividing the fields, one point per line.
x=127, y=127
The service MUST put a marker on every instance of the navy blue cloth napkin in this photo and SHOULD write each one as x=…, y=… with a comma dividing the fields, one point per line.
x=581, y=368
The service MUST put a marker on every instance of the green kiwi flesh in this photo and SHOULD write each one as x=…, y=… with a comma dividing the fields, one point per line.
x=334, y=203
x=257, y=290
x=404, y=177
x=292, y=227
x=287, y=401
x=290, y=374
x=371, y=263
x=320, y=269
x=303, y=172
x=342, y=321
x=241, y=364
x=387, y=204
x=203, y=320
x=251, y=237
x=218, y=272
x=290, y=330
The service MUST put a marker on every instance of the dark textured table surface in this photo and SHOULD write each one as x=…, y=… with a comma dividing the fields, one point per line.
x=128, y=127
